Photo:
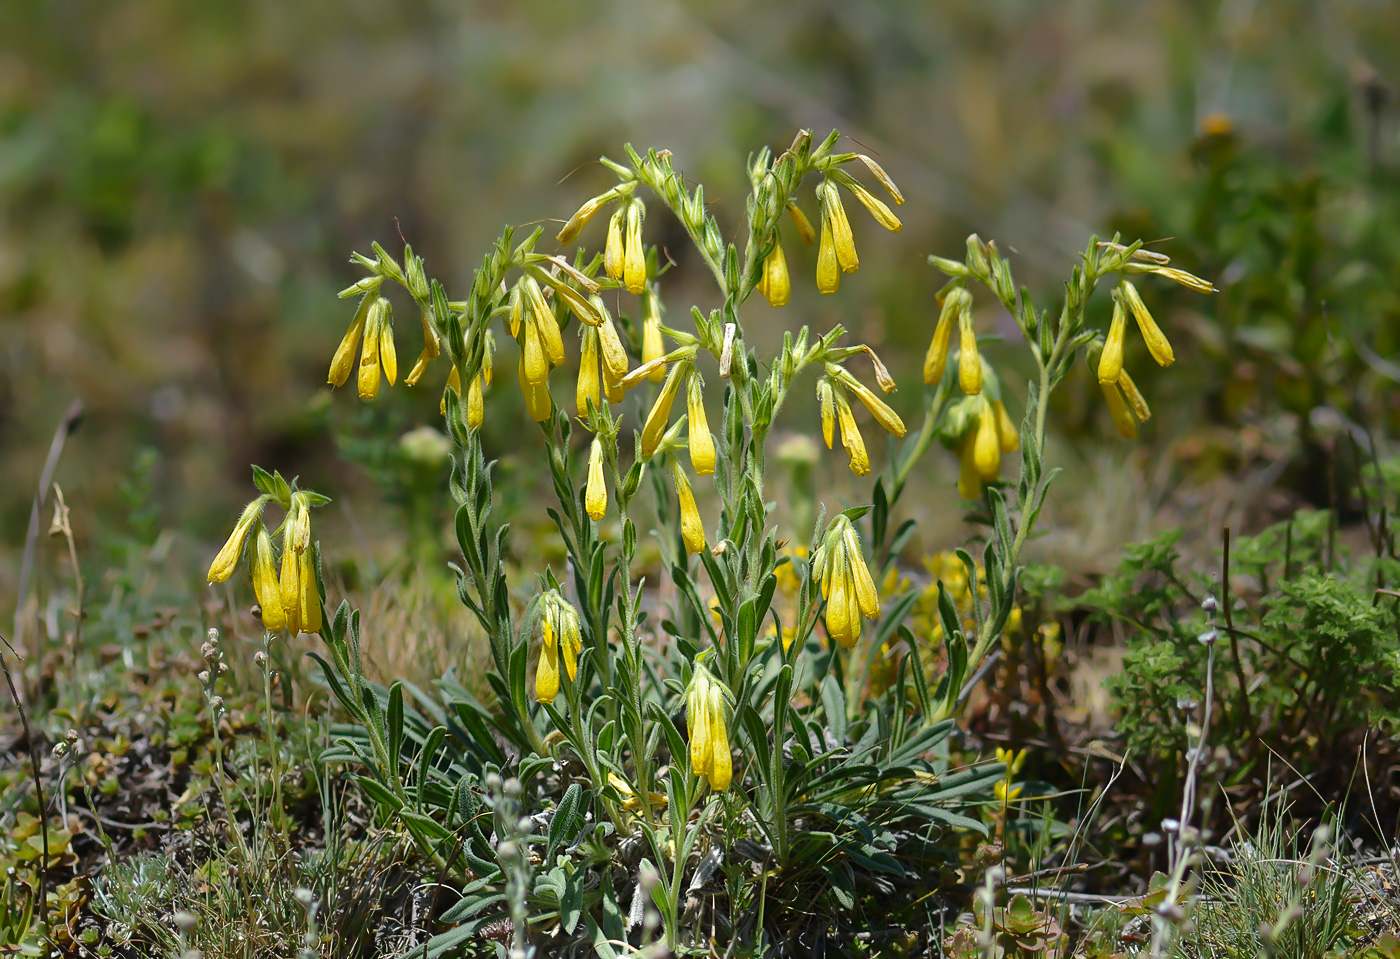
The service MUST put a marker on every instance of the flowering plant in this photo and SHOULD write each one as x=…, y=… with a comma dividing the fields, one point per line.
x=713, y=768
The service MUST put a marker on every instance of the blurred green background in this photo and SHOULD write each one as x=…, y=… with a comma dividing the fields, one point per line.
x=181, y=184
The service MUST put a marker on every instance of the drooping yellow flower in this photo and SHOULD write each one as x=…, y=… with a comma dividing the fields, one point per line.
x=546, y=326
x=988, y=435
x=804, y=225
x=614, y=256
x=560, y=639
x=589, y=387
x=878, y=408
x=1111, y=359
x=476, y=402
x=309, y=599
x=1006, y=430
x=969, y=360
x=828, y=270
x=826, y=402
x=1152, y=335
x=692, y=529
x=986, y=444
x=454, y=383
x=702, y=444
x=582, y=217
x=265, y=584
x=595, y=495
x=432, y=348
x=846, y=583
x=297, y=580
x=344, y=359
x=774, y=282
x=1126, y=405
x=379, y=337
x=837, y=250
x=538, y=403
x=226, y=561
x=936, y=360
x=705, y=706
x=660, y=413
x=859, y=459
x=883, y=214
x=634, y=268
x=652, y=347
x=610, y=349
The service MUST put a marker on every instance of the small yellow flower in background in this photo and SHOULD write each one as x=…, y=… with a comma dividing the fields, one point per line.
x=1152, y=335
x=595, y=496
x=226, y=561
x=1014, y=760
x=660, y=413
x=634, y=265
x=692, y=528
x=774, y=282
x=652, y=346
x=1005, y=792
x=701, y=443
x=705, y=708
x=561, y=639
x=846, y=584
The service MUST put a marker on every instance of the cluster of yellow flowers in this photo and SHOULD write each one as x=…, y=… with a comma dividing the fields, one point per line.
x=846, y=584
x=289, y=598
x=561, y=640
x=834, y=407
x=1014, y=759
x=709, y=731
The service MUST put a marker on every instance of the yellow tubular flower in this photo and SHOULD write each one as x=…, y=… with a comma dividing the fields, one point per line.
x=660, y=413
x=652, y=347
x=589, y=386
x=595, y=496
x=697, y=714
x=1111, y=360
x=1122, y=416
x=1156, y=342
x=542, y=315
x=774, y=283
x=986, y=447
x=1141, y=411
x=532, y=355
x=969, y=360
x=517, y=310
x=547, y=672
x=432, y=348
x=611, y=350
x=936, y=360
x=344, y=359
x=827, y=403
x=851, y=438
x=969, y=480
x=840, y=624
x=867, y=597
x=265, y=584
x=879, y=409
x=613, y=255
x=476, y=403
x=227, y=559
x=721, y=761
x=309, y=610
x=804, y=225
x=581, y=218
x=388, y=358
x=367, y=380
x=692, y=529
x=883, y=215
x=1188, y=280
x=702, y=444
x=634, y=269
x=289, y=581
x=1006, y=430
x=879, y=173
x=843, y=240
x=828, y=269
x=537, y=399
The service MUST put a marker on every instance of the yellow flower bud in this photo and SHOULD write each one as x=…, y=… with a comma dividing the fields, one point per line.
x=828, y=270
x=721, y=760
x=344, y=359
x=660, y=413
x=289, y=582
x=227, y=559
x=987, y=445
x=774, y=283
x=614, y=259
x=538, y=402
x=517, y=310
x=547, y=672
x=878, y=408
x=851, y=438
x=634, y=255
x=697, y=711
x=692, y=529
x=840, y=624
x=1157, y=344
x=1111, y=359
x=309, y=609
x=595, y=496
x=454, y=383
x=652, y=347
x=589, y=385
x=265, y=584
x=1006, y=430
x=476, y=403
x=702, y=444
x=1122, y=416
x=969, y=360
x=1141, y=411
x=610, y=345
x=388, y=358
x=826, y=402
x=804, y=225
x=581, y=218
x=834, y=214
